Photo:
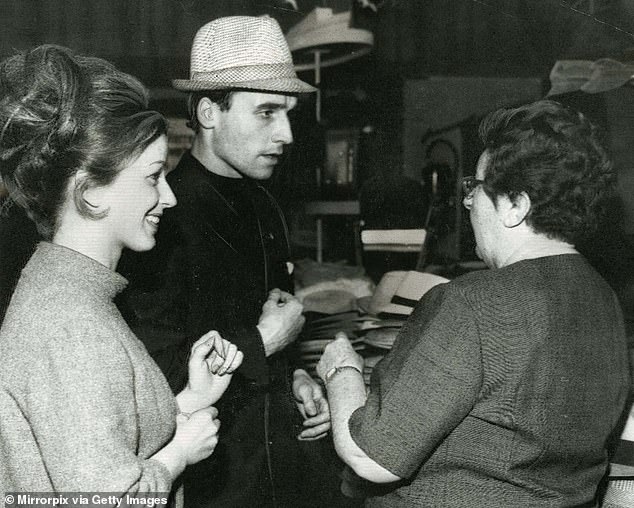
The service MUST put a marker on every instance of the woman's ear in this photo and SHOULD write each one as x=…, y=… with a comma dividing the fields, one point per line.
x=518, y=209
x=89, y=197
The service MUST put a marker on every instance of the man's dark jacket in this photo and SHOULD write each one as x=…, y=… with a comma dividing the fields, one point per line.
x=218, y=253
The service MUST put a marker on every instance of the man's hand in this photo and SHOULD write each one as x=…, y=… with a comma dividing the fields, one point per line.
x=281, y=321
x=312, y=405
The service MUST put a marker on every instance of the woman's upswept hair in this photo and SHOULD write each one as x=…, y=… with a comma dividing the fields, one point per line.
x=68, y=121
x=556, y=156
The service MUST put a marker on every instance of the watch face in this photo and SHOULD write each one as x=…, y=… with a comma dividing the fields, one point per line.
x=331, y=373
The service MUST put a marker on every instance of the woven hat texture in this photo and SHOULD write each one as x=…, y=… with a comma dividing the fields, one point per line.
x=242, y=52
x=399, y=291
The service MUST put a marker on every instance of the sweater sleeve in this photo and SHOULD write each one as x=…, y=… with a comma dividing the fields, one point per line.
x=424, y=387
x=83, y=411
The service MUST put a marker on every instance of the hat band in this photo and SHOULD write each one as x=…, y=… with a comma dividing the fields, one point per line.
x=233, y=75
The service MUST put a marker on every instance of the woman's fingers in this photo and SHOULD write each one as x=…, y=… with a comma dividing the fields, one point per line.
x=219, y=346
x=200, y=349
x=221, y=356
x=214, y=361
x=237, y=361
x=232, y=351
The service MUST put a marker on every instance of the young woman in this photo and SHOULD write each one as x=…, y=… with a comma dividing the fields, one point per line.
x=84, y=408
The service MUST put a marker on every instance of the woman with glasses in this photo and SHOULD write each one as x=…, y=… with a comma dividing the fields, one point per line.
x=504, y=385
x=84, y=408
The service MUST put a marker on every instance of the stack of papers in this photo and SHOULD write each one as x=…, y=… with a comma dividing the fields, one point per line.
x=320, y=332
x=379, y=335
x=381, y=338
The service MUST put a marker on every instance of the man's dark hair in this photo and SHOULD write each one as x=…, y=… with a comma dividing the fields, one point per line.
x=220, y=97
x=556, y=156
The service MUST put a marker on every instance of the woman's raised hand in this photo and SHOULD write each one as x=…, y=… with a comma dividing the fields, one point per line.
x=212, y=363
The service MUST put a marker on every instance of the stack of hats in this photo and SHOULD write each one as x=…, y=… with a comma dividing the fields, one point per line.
x=393, y=301
x=373, y=326
x=319, y=332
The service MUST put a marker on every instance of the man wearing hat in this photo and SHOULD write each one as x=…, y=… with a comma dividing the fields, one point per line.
x=222, y=262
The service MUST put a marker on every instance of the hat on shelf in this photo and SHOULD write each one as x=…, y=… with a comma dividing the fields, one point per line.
x=331, y=35
x=242, y=52
x=590, y=76
x=398, y=292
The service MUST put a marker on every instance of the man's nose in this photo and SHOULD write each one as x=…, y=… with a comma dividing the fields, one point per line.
x=283, y=133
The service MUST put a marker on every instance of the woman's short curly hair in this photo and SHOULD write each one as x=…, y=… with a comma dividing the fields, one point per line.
x=62, y=114
x=555, y=155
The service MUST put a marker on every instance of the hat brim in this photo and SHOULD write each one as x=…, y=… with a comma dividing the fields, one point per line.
x=401, y=291
x=284, y=85
x=395, y=310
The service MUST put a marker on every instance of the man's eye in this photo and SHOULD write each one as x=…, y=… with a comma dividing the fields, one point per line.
x=267, y=113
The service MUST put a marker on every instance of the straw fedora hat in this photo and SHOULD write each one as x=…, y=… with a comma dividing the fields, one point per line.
x=242, y=52
x=398, y=292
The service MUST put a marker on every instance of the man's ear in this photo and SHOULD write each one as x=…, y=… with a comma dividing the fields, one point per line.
x=207, y=111
x=517, y=210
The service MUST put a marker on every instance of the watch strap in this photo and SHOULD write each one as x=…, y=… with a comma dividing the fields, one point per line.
x=335, y=370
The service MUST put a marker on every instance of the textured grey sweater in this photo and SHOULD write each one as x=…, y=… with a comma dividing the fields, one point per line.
x=83, y=405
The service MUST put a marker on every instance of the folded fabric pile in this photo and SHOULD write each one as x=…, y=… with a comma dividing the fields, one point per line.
x=330, y=288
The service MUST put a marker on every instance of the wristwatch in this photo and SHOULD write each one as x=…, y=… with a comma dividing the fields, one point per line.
x=335, y=370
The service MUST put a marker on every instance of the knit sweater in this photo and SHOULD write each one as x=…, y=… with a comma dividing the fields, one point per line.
x=501, y=390
x=83, y=405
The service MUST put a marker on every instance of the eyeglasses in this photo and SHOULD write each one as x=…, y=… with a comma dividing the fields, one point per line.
x=469, y=185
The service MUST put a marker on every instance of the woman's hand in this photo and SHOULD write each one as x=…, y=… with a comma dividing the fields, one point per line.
x=197, y=434
x=338, y=353
x=195, y=439
x=212, y=363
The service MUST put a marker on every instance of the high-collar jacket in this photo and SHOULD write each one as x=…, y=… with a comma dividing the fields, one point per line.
x=218, y=254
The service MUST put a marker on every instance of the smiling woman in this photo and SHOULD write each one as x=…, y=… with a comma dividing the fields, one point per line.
x=131, y=208
x=84, y=407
